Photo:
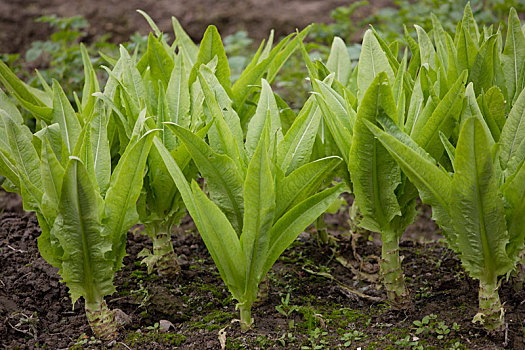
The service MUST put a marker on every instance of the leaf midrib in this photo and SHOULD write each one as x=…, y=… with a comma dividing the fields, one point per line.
x=305, y=131
x=120, y=221
x=375, y=177
x=99, y=138
x=66, y=126
x=159, y=62
x=88, y=282
x=482, y=225
x=253, y=262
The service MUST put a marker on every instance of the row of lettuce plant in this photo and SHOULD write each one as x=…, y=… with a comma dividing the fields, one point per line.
x=393, y=127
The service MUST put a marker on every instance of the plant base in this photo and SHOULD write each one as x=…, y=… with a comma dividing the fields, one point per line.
x=103, y=322
x=246, y=317
x=166, y=262
x=167, y=266
x=491, y=313
x=393, y=278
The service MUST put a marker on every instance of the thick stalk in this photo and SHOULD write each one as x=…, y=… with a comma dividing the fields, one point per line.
x=167, y=265
x=246, y=316
x=393, y=278
x=102, y=320
x=491, y=313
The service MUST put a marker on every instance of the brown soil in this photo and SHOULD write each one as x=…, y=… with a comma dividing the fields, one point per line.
x=119, y=18
x=35, y=309
x=10, y=202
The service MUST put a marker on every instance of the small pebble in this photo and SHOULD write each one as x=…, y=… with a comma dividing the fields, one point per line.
x=122, y=318
x=165, y=325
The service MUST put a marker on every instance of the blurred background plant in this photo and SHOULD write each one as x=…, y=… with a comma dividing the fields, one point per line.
x=61, y=51
x=59, y=56
x=389, y=21
x=239, y=48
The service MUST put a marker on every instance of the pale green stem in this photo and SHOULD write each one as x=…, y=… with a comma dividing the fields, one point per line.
x=393, y=278
x=246, y=316
x=167, y=265
x=491, y=313
x=102, y=320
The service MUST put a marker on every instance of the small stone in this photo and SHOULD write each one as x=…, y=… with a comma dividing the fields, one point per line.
x=121, y=317
x=165, y=325
x=303, y=236
x=183, y=260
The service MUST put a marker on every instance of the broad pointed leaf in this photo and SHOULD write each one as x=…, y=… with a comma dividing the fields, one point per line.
x=372, y=61
x=64, y=115
x=85, y=266
x=259, y=210
x=122, y=195
x=477, y=209
x=224, y=180
x=374, y=173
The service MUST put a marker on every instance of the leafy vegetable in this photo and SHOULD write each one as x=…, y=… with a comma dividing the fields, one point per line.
x=383, y=195
x=244, y=223
x=385, y=198
x=83, y=206
x=479, y=210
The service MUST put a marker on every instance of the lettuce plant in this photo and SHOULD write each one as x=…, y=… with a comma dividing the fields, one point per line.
x=83, y=193
x=383, y=87
x=481, y=206
x=385, y=198
x=84, y=207
x=164, y=81
x=258, y=202
x=162, y=90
